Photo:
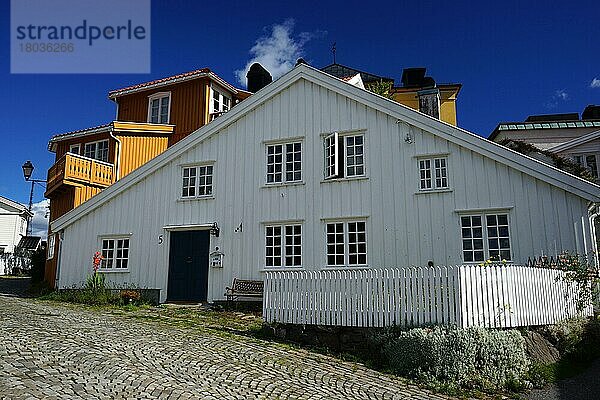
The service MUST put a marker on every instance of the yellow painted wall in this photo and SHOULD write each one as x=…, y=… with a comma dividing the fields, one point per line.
x=137, y=150
x=447, y=103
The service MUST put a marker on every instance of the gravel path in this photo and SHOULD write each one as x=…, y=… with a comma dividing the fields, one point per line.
x=57, y=352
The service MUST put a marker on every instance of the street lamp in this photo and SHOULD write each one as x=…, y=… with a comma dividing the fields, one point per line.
x=27, y=171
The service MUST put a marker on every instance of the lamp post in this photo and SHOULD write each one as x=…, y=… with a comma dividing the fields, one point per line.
x=27, y=171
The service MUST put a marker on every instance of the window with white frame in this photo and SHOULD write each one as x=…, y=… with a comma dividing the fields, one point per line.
x=433, y=173
x=346, y=243
x=159, y=108
x=485, y=236
x=220, y=102
x=197, y=181
x=75, y=149
x=344, y=155
x=115, y=254
x=589, y=161
x=284, y=162
x=97, y=150
x=283, y=245
x=51, y=246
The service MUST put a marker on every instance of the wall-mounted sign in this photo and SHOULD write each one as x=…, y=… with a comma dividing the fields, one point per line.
x=216, y=259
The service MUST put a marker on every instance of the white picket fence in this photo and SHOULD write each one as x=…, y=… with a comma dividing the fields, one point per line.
x=466, y=295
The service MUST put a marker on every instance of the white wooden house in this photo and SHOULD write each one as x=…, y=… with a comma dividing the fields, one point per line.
x=13, y=226
x=314, y=173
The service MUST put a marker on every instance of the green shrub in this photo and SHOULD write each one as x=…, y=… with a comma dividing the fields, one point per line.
x=577, y=337
x=468, y=358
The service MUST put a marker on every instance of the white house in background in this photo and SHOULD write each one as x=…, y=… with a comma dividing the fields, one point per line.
x=314, y=173
x=563, y=134
x=13, y=224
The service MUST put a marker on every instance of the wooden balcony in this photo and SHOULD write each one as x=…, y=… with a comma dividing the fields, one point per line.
x=75, y=170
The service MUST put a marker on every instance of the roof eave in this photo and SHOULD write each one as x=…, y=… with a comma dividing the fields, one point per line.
x=113, y=95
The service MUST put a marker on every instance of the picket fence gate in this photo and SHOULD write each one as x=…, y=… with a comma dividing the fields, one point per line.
x=495, y=296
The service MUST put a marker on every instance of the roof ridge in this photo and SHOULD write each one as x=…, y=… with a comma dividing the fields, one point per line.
x=159, y=80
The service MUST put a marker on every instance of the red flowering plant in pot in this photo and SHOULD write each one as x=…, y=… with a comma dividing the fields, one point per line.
x=96, y=280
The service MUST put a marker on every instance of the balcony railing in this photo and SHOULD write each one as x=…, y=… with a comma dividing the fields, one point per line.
x=75, y=169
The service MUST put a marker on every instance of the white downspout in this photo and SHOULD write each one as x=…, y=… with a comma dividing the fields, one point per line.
x=594, y=211
x=117, y=156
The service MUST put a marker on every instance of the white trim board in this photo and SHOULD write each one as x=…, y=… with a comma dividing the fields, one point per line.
x=575, y=142
x=458, y=136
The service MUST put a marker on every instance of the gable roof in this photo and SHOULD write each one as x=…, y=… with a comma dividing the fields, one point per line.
x=576, y=142
x=18, y=207
x=169, y=80
x=442, y=129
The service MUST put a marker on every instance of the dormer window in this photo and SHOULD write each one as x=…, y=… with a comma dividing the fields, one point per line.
x=220, y=102
x=159, y=108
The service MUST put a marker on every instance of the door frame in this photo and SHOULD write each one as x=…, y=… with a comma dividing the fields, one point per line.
x=167, y=240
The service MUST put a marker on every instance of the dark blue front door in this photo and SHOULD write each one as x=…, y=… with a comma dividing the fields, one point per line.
x=188, y=266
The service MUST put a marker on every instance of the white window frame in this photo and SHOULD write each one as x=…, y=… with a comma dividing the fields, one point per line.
x=431, y=172
x=96, y=149
x=283, y=164
x=78, y=146
x=584, y=162
x=197, y=183
x=114, y=259
x=346, y=243
x=283, y=246
x=485, y=237
x=222, y=96
x=336, y=143
x=159, y=96
x=51, y=246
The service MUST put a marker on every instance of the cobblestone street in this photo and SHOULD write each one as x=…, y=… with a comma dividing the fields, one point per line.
x=59, y=352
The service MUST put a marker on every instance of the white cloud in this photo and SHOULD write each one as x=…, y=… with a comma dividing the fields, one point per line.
x=561, y=94
x=39, y=223
x=595, y=83
x=278, y=50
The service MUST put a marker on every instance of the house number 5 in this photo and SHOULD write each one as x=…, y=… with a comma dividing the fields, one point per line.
x=160, y=239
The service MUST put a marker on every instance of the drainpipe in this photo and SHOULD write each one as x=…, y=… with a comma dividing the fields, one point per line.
x=58, y=258
x=594, y=211
x=118, y=155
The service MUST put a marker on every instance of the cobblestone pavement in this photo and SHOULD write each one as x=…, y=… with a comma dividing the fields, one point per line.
x=58, y=352
x=12, y=286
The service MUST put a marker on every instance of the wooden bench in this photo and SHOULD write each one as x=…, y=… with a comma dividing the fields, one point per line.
x=244, y=288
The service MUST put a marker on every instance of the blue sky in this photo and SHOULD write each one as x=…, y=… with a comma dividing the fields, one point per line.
x=513, y=59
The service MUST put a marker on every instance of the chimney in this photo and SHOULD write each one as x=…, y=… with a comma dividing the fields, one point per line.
x=258, y=78
x=429, y=102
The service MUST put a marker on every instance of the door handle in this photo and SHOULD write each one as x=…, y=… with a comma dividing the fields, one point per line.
x=188, y=260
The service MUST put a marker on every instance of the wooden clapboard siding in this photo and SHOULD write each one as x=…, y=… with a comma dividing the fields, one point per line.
x=403, y=227
x=138, y=150
x=63, y=147
x=188, y=107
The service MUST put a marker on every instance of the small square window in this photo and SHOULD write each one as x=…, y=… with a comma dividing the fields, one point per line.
x=344, y=156
x=433, y=173
x=495, y=234
x=284, y=163
x=197, y=181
